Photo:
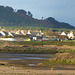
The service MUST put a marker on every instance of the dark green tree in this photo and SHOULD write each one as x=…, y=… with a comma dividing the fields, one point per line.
x=9, y=8
x=30, y=14
x=22, y=12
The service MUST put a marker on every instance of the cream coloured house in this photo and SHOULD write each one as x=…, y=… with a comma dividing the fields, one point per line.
x=10, y=34
x=29, y=32
x=70, y=35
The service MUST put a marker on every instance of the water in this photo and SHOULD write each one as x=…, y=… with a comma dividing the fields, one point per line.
x=30, y=59
x=13, y=56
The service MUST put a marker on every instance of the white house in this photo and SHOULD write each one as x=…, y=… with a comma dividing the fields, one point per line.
x=2, y=33
x=63, y=33
x=70, y=35
x=7, y=39
x=34, y=38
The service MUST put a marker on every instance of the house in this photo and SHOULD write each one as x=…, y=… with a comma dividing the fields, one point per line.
x=7, y=39
x=29, y=32
x=10, y=34
x=70, y=35
x=3, y=33
x=21, y=37
x=23, y=32
x=4, y=36
x=18, y=32
x=36, y=36
x=53, y=38
x=63, y=33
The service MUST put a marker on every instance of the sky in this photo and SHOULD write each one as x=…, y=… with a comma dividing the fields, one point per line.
x=61, y=10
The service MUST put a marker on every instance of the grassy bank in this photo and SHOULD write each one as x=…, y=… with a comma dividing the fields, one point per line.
x=29, y=50
x=38, y=43
x=38, y=47
x=60, y=59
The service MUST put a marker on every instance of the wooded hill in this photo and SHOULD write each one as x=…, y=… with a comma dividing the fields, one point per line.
x=22, y=18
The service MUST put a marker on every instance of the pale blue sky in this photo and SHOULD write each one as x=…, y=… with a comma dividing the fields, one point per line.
x=61, y=10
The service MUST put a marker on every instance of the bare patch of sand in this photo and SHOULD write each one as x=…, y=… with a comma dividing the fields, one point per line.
x=26, y=71
x=63, y=54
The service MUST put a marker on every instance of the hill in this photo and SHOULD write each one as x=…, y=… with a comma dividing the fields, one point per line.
x=57, y=24
x=22, y=18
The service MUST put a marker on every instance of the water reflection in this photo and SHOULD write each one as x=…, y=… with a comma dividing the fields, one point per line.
x=13, y=56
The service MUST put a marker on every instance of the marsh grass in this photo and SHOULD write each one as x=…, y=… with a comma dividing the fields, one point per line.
x=38, y=43
x=63, y=59
x=36, y=47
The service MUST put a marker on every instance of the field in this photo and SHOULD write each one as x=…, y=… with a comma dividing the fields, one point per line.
x=62, y=64
x=47, y=47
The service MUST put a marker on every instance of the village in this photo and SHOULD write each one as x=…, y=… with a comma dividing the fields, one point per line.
x=29, y=35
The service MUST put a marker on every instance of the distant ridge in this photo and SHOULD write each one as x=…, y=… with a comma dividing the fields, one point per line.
x=22, y=18
x=57, y=24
